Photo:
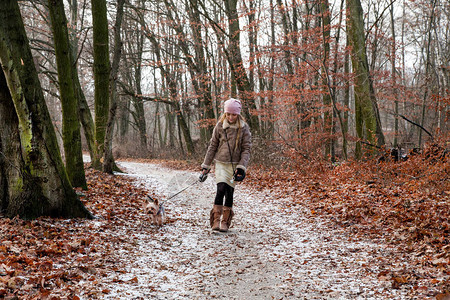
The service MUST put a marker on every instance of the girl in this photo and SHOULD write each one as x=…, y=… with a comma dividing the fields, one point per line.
x=230, y=147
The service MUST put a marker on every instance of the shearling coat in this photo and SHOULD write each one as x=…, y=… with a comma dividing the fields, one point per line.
x=224, y=139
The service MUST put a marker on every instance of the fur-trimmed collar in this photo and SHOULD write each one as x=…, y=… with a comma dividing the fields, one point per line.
x=226, y=124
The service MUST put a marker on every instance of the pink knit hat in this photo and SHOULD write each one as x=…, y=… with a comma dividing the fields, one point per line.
x=233, y=106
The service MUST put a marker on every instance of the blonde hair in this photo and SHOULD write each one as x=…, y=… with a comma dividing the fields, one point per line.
x=224, y=115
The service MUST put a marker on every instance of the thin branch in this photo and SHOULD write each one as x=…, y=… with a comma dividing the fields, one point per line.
x=127, y=91
x=414, y=123
x=378, y=19
x=369, y=144
x=211, y=21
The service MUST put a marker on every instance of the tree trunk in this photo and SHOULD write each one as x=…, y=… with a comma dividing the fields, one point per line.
x=34, y=178
x=169, y=130
x=124, y=119
x=101, y=76
x=11, y=162
x=84, y=112
x=270, y=124
x=238, y=71
x=134, y=75
x=394, y=77
x=108, y=162
x=289, y=40
x=343, y=122
x=328, y=125
x=427, y=70
x=138, y=103
x=204, y=77
x=368, y=125
x=347, y=95
x=71, y=123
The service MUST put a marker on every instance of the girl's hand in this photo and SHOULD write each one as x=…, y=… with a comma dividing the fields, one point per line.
x=204, y=175
x=239, y=174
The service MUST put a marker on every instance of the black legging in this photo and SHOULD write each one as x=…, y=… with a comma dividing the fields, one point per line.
x=224, y=189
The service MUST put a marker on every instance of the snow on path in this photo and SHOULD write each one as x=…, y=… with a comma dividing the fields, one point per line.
x=271, y=251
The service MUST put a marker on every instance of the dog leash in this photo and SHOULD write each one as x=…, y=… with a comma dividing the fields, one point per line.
x=179, y=192
x=161, y=205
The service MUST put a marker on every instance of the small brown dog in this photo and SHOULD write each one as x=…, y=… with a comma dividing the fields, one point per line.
x=156, y=212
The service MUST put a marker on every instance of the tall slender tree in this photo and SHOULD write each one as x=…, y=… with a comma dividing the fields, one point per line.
x=71, y=123
x=325, y=21
x=170, y=78
x=108, y=161
x=394, y=75
x=85, y=114
x=238, y=70
x=101, y=75
x=428, y=65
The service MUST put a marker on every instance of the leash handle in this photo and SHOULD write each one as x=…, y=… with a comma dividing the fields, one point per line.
x=202, y=177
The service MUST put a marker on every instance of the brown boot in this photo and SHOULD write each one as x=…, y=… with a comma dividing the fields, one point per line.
x=226, y=219
x=214, y=217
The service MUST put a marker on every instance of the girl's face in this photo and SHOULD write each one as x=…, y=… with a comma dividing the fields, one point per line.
x=231, y=118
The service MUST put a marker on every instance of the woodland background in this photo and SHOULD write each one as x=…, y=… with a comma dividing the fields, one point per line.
x=289, y=61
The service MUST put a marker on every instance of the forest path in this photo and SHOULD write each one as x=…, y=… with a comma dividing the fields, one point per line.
x=272, y=251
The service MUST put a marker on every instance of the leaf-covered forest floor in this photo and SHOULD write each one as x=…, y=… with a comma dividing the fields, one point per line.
x=405, y=205
x=368, y=230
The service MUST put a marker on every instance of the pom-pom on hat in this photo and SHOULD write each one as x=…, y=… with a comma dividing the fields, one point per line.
x=232, y=106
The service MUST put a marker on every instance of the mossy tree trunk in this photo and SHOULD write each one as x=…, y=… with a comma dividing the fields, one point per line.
x=108, y=163
x=71, y=123
x=34, y=180
x=101, y=76
x=368, y=124
x=11, y=162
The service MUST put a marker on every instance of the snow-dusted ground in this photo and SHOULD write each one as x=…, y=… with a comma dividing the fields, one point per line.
x=271, y=252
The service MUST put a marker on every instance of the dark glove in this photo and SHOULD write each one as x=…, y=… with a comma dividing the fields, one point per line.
x=239, y=174
x=204, y=175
